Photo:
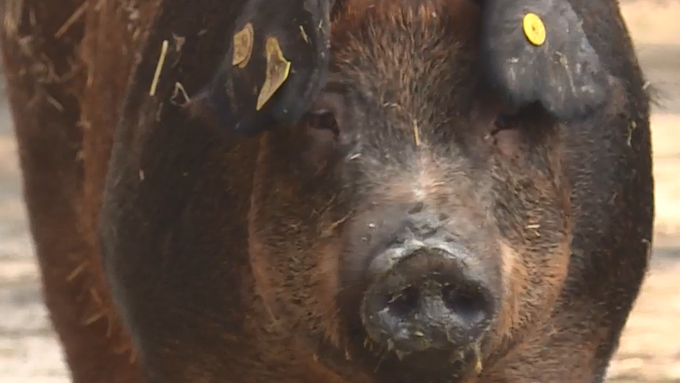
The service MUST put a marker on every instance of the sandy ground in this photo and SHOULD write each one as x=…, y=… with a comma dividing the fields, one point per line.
x=650, y=347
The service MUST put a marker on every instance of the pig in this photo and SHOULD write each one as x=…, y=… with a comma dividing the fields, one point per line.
x=424, y=211
x=63, y=91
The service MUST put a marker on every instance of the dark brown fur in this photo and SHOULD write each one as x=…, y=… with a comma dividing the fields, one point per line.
x=225, y=253
x=65, y=91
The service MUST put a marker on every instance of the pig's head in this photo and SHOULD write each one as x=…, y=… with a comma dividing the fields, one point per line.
x=410, y=226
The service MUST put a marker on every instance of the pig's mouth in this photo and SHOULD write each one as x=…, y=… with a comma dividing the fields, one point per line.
x=382, y=366
x=433, y=366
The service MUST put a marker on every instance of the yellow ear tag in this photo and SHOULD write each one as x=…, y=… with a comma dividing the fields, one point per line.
x=534, y=29
x=278, y=69
x=243, y=46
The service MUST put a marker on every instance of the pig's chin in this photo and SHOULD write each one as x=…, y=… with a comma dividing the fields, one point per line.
x=360, y=359
x=436, y=366
x=428, y=366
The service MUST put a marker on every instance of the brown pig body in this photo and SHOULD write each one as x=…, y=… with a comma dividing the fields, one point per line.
x=411, y=226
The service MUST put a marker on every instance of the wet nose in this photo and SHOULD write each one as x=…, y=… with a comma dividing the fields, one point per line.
x=427, y=300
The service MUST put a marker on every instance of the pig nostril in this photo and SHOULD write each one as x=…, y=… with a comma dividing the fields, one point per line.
x=470, y=306
x=428, y=300
x=404, y=302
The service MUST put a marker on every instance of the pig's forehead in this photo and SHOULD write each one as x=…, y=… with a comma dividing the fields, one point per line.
x=399, y=50
x=382, y=20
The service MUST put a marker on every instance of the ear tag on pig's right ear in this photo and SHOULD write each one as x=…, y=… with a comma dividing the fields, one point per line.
x=534, y=28
x=537, y=51
x=278, y=69
x=275, y=66
x=243, y=46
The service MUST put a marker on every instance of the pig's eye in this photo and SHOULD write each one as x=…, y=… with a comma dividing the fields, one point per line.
x=507, y=135
x=503, y=122
x=323, y=120
x=322, y=132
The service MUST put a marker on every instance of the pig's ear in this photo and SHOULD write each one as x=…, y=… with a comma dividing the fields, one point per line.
x=276, y=65
x=537, y=51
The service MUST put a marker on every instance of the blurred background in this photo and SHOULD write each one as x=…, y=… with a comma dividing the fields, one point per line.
x=650, y=347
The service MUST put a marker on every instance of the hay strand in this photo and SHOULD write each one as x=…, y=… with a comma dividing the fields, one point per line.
x=159, y=68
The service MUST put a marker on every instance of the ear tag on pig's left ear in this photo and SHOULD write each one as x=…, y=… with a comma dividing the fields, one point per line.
x=538, y=51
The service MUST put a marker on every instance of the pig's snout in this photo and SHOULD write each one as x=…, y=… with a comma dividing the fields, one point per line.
x=424, y=296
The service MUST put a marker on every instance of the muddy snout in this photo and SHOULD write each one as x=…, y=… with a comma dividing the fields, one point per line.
x=424, y=297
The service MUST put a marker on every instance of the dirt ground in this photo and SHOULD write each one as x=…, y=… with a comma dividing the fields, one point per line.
x=650, y=347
